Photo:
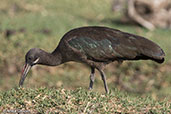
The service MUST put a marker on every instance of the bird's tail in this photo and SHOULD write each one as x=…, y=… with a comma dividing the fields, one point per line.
x=153, y=51
x=158, y=59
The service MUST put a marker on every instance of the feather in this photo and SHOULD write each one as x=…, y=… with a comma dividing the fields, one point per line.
x=107, y=44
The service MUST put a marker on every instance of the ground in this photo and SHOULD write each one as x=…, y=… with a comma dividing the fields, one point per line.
x=41, y=24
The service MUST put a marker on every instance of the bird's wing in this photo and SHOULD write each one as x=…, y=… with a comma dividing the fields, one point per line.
x=103, y=49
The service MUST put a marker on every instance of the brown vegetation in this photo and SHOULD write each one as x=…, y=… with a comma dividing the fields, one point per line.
x=148, y=13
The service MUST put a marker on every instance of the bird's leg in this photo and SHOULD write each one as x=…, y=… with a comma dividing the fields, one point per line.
x=92, y=78
x=104, y=80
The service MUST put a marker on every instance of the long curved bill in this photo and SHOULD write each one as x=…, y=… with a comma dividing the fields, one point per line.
x=25, y=71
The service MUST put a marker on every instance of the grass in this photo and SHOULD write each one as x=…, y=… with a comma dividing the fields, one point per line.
x=42, y=24
x=45, y=100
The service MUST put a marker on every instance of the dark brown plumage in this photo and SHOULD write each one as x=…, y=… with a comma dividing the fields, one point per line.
x=96, y=47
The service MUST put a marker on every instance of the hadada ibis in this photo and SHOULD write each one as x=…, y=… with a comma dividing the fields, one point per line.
x=95, y=46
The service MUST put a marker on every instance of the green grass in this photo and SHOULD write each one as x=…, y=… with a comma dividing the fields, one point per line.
x=139, y=79
x=45, y=100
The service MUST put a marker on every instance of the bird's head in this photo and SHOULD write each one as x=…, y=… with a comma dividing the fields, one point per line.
x=32, y=58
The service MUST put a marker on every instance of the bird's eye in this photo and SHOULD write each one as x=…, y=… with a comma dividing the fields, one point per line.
x=29, y=58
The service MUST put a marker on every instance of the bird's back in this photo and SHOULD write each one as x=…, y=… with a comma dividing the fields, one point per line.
x=107, y=44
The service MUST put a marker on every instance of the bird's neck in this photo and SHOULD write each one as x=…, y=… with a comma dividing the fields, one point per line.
x=51, y=59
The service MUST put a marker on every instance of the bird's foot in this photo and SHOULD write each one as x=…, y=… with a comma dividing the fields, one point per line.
x=90, y=88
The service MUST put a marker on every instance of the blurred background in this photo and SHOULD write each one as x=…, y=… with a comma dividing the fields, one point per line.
x=33, y=23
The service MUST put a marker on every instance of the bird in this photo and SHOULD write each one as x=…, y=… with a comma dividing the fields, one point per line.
x=95, y=46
